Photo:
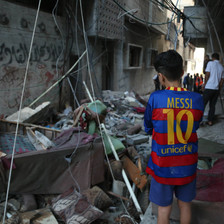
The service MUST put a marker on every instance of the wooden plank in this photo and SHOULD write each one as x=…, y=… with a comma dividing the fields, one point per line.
x=134, y=173
x=30, y=125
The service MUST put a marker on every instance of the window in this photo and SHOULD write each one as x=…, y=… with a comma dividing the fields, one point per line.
x=134, y=56
x=150, y=57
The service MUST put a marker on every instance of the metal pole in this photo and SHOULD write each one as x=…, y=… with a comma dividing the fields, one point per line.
x=137, y=206
x=76, y=100
x=87, y=90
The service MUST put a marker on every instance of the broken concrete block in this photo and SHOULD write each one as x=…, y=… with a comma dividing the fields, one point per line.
x=133, y=154
x=136, y=139
x=132, y=101
x=135, y=129
x=98, y=198
x=144, y=147
x=40, y=216
x=109, y=95
x=28, y=115
x=119, y=187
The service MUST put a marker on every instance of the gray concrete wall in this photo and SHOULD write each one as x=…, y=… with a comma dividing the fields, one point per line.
x=139, y=79
x=45, y=64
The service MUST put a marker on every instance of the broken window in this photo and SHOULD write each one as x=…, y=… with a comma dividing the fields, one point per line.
x=150, y=57
x=134, y=56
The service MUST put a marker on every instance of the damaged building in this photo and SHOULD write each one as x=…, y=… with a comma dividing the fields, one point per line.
x=72, y=143
x=121, y=48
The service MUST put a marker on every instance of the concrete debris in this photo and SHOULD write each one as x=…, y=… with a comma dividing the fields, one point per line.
x=97, y=197
x=12, y=216
x=2, y=154
x=119, y=188
x=135, y=129
x=132, y=101
x=29, y=115
x=100, y=201
x=40, y=216
x=136, y=139
x=64, y=123
x=202, y=165
x=125, y=128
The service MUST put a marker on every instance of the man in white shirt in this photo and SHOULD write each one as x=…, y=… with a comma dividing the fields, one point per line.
x=214, y=78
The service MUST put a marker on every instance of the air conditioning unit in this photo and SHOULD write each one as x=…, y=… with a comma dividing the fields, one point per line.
x=104, y=20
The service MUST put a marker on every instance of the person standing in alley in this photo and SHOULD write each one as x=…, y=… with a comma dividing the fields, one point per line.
x=214, y=78
x=206, y=60
x=190, y=81
x=156, y=82
x=186, y=81
x=172, y=117
x=197, y=83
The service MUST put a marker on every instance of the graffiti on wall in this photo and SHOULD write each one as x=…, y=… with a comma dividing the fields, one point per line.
x=19, y=53
x=41, y=73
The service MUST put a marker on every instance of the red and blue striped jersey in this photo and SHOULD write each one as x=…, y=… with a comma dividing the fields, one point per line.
x=172, y=117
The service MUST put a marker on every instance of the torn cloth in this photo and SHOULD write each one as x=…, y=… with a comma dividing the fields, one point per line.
x=73, y=137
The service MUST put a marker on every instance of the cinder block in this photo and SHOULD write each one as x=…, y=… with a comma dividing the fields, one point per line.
x=136, y=139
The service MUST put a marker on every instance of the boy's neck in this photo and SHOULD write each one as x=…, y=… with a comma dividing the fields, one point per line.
x=172, y=84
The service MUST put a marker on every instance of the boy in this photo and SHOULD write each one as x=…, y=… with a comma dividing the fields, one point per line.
x=172, y=116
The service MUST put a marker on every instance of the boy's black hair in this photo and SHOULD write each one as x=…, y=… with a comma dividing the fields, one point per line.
x=216, y=56
x=170, y=64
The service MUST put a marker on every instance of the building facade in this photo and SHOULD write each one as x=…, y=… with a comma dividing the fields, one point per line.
x=122, y=39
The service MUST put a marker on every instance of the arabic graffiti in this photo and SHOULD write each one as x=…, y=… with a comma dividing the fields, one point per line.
x=19, y=53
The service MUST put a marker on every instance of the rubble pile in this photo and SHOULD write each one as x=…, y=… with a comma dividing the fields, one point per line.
x=82, y=179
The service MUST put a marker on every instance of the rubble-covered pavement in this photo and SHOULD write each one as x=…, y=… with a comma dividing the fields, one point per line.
x=78, y=178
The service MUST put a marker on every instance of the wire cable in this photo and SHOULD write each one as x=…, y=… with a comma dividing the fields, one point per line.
x=19, y=114
x=53, y=14
x=141, y=20
x=84, y=33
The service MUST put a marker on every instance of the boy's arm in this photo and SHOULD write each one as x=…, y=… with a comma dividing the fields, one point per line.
x=148, y=118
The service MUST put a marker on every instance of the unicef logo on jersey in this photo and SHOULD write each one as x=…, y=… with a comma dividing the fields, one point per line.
x=177, y=150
